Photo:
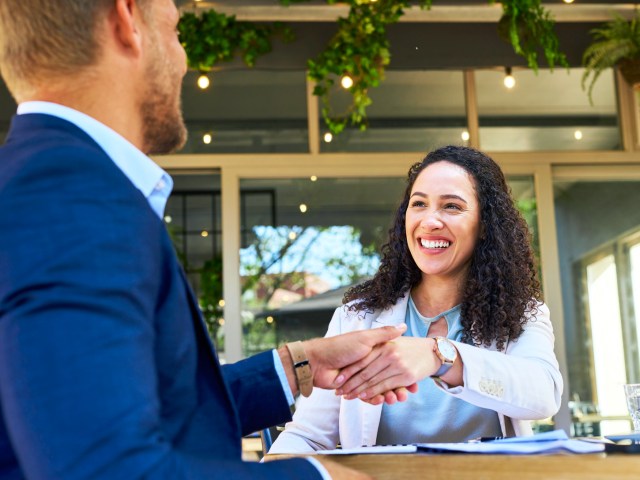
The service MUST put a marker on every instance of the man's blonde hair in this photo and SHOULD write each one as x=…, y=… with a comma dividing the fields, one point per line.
x=44, y=38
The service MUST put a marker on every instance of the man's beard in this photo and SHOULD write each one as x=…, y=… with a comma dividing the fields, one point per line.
x=164, y=130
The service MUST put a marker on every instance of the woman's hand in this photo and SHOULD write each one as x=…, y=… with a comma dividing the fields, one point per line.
x=390, y=371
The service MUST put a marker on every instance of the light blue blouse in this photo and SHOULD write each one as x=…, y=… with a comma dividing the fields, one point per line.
x=431, y=415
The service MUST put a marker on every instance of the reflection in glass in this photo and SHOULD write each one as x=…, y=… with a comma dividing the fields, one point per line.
x=546, y=111
x=594, y=223
x=606, y=336
x=246, y=112
x=634, y=256
x=412, y=111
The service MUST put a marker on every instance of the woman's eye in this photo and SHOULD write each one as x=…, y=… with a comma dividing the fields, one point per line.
x=452, y=206
x=418, y=203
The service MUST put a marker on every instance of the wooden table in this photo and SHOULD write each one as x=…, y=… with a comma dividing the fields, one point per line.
x=493, y=467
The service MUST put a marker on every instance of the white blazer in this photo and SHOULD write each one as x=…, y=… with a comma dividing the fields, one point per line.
x=523, y=384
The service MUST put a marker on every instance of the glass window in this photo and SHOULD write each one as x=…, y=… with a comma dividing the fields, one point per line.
x=192, y=217
x=594, y=223
x=297, y=264
x=634, y=257
x=546, y=111
x=606, y=335
x=413, y=111
x=246, y=111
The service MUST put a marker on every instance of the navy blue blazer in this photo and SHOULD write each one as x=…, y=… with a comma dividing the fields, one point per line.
x=106, y=370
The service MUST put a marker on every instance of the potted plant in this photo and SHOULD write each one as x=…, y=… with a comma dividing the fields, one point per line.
x=529, y=28
x=615, y=43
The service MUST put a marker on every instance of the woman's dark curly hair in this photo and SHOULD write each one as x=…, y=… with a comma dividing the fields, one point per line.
x=502, y=281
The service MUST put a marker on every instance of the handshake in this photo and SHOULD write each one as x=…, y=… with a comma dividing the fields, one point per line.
x=363, y=364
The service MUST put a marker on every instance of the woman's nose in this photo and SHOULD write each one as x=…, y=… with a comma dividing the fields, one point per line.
x=432, y=221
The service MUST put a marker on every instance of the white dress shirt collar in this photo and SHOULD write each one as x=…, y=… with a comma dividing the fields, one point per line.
x=154, y=183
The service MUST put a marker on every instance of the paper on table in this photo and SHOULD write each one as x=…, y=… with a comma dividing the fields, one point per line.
x=370, y=449
x=548, y=442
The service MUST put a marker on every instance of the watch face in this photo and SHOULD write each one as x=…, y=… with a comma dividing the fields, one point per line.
x=447, y=349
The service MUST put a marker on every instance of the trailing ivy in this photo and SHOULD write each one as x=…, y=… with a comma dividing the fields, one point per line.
x=359, y=48
x=211, y=37
x=530, y=30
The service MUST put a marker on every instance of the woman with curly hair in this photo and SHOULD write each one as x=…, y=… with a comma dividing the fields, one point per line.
x=477, y=355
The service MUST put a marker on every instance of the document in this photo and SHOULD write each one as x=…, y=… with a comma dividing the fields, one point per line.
x=547, y=442
x=542, y=443
x=371, y=449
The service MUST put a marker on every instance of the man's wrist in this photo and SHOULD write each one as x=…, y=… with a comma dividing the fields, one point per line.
x=310, y=347
x=287, y=364
x=301, y=367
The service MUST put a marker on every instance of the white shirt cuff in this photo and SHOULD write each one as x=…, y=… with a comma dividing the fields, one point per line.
x=283, y=380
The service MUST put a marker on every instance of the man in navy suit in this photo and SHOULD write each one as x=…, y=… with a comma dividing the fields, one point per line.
x=106, y=370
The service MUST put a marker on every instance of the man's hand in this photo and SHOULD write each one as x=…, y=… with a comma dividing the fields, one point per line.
x=392, y=370
x=328, y=356
x=388, y=369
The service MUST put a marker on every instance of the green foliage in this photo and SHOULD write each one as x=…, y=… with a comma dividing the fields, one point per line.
x=210, y=296
x=530, y=30
x=614, y=42
x=359, y=48
x=211, y=37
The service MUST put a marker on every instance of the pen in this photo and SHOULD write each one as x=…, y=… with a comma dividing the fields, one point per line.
x=484, y=439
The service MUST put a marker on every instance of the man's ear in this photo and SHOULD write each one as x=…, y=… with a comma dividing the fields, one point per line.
x=125, y=24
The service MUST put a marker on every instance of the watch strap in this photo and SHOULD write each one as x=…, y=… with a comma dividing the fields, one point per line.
x=301, y=368
x=444, y=368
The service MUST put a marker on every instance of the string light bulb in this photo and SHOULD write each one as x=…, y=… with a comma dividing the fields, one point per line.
x=465, y=136
x=568, y=1
x=206, y=138
x=203, y=81
x=328, y=137
x=509, y=80
x=346, y=82
x=577, y=135
x=303, y=208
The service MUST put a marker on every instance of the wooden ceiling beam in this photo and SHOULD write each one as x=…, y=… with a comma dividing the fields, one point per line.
x=437, y=14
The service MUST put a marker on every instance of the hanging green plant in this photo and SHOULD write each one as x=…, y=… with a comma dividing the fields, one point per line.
x=529, y=28
x=210, y=38
x=359, y=48
x=615, y=43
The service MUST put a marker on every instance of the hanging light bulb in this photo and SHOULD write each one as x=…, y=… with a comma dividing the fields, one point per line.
x=465, y=136
x=203, y=81
x=577, y=135
x=568, y=1
x=206, y=138
x=509, y=79
x=346, y=82
x=328, y=137
x=303, y=208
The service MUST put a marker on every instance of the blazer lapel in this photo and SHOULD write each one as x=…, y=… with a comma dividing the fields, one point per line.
x=369, y=415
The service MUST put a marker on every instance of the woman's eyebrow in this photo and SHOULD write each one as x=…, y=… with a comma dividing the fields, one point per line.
x=452, y=196
x=447, y=196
